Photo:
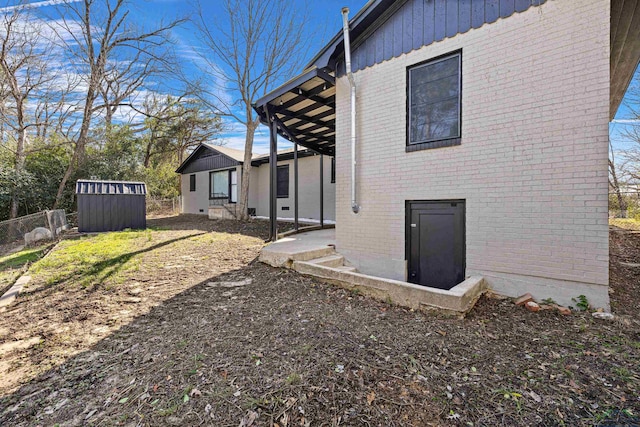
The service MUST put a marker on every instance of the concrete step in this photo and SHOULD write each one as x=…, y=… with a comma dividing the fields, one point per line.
x=334, y=260
x=285, y=258
x=346, y=268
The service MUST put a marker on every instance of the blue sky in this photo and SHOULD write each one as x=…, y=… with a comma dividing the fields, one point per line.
x=327, y=21
x=624, y=119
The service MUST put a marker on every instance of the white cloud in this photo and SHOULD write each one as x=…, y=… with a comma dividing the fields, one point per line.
x=35, y=5
x=260, y=141
x=627, y=121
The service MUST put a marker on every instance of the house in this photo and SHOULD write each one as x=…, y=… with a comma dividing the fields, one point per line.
x=479, y=142
x=210, y=183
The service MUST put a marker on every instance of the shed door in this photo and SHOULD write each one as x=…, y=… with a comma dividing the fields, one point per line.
x=435, y=243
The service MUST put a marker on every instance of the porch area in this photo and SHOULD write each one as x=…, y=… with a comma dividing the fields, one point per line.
x=313, y=253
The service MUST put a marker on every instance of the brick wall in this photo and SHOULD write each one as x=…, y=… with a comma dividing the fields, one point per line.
x=532, y=165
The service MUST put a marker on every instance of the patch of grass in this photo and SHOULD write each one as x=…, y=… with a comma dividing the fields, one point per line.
x=11, y=265
x=293, y=379
x=623, y=373
x=93, y=260
x=626, y=223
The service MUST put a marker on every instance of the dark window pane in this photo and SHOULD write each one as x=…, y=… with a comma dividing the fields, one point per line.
x=435, y=71
x=283, y=181
x=434, y=91
x=192, y=183
x=435, y=121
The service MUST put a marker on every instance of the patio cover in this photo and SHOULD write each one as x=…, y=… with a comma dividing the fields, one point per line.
x=304, y=110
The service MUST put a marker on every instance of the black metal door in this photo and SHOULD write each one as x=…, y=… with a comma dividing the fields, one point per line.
x=436, y=243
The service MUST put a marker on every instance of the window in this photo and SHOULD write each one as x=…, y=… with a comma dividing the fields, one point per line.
x=333, y=170
x=283, y=181
x=219, y=185
x=192, y=182
x=434, y=103
x=233, y=186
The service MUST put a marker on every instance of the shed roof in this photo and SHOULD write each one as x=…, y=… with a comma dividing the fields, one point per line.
x=87, y=186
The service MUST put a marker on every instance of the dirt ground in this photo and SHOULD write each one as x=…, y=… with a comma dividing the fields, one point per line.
x=200, y=333
x=624, y=271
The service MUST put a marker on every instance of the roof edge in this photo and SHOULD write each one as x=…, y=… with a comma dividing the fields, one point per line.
x=201, y=146
x=373, y=10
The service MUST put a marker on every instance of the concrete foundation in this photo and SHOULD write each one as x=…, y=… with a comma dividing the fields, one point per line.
x=227, y=211
x=313, y=254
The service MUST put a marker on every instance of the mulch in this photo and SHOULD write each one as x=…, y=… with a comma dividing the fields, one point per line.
x=232, y=342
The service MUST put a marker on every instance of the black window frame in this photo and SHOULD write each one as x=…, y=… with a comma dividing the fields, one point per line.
x=439, y=142
x=228, y=196
x=282, y=195
x=192, y=182
x=333, y=170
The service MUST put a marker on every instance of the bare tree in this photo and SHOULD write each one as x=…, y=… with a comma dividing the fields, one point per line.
x=624, y=151
x=24, y=66
x=248, y=48
x=174, y=125
x=116, y=57
x=615, y=184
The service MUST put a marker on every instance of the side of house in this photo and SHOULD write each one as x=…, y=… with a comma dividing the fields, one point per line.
x=211, y=176
x=499, y=137
x=308, y=187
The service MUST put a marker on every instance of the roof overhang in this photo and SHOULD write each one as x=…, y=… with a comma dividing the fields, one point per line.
x=360, y=26
x=304, y=110
x=287, y=155
x=625, y=49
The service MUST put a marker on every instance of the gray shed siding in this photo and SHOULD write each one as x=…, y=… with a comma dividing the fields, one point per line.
x=110, y=206
x=420, y=23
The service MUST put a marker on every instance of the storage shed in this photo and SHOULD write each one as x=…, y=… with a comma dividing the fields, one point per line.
x=111, y=205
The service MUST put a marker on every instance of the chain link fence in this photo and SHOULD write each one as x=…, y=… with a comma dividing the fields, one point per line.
x=18, y=231
x=630, y=200
x=164, y=207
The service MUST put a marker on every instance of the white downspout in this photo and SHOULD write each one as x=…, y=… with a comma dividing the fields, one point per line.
x=347, y=57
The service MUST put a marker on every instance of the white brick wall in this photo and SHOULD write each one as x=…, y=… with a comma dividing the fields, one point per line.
x=308, y=189
x=532, y=165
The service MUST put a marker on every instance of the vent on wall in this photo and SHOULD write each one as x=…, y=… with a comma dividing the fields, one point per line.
x=285, y=208
x=201, y=210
